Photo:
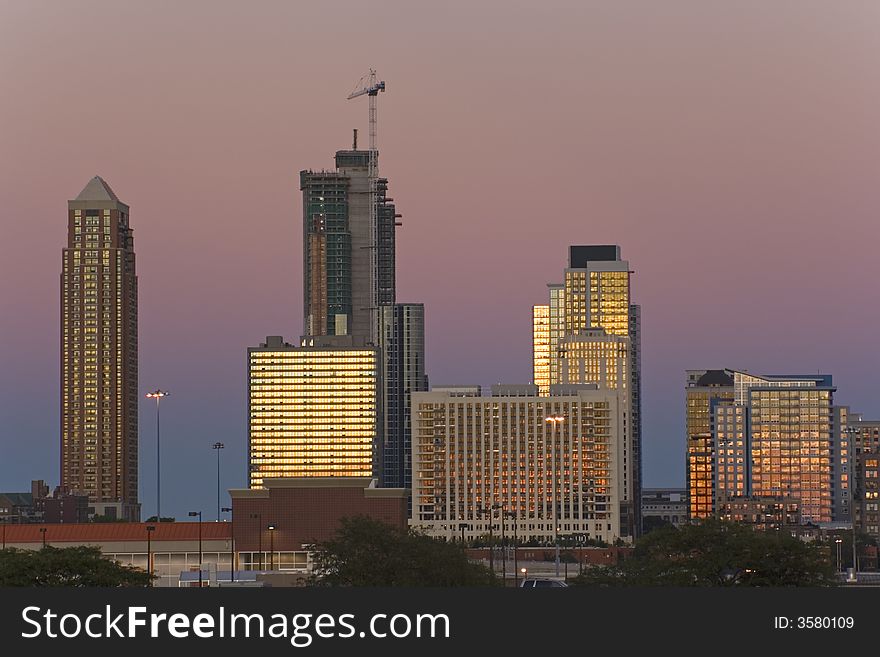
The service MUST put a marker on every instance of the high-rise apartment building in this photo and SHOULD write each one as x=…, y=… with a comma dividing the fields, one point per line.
x=865, y=460
x=99, y=354
x=402, y=348
x=704, y=389
x=312, y=408
x=543, y=467
x=592, y=327
x=769, y=438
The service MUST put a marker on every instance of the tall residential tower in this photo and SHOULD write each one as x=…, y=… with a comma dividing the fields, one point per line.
x=590, y=333
x=99, y=354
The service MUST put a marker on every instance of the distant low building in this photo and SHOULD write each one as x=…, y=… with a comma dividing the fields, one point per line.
x=38, y=506
x=662, y=506
x=762, y=512
x=63, y=507
x=173, y=547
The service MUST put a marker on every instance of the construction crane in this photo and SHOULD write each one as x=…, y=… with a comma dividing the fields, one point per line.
x=369, y=86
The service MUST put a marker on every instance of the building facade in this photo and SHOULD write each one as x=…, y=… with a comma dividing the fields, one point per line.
x=865, y=451
x=99, y=354
x=764, y=437
x=275, y=526
x=168, y=549
x=664, y=506
x=349, y=288
x=402, y=348
x=348, y=264
x=538, y=467
x=704, y=388
x=766, y=513
x=587, y=315
x=312, y=408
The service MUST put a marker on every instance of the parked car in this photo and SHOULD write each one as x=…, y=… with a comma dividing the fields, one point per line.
x=533, y=583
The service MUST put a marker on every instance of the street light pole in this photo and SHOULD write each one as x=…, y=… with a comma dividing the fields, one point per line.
x=158, y=395
x=43, y=532
x=150, y=530
x=217, y=447
x=488, y=509
x=555, y=420
x=232, y=558
x=271, y=529
x=503, y=549
x=852, y=431
x=199, y=514
x=513, y=517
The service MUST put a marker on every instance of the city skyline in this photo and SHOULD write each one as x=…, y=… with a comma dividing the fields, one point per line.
x=733, y=172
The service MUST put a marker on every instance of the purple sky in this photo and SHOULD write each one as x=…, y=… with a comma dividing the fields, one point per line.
x=731, y=149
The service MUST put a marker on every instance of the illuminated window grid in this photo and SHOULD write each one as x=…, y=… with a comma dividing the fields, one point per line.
x=595, y=357
x=99, y=451
x=472, y=452
x=791, y=431
x=731, y=452
x=556, y=327
x=541, y=348
x=312, y=413
x=701, y=449
x=597, y=299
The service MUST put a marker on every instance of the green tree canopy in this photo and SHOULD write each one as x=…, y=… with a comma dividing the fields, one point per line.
x=717, y=553
x=367, y=552
x=74, y=566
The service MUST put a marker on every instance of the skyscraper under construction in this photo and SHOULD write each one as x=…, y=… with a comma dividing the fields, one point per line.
x=349, y=290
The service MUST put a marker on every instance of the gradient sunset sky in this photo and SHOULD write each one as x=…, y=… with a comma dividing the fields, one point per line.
x=732, y=149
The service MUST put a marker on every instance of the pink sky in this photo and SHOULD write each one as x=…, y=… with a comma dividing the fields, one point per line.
x=731, y=149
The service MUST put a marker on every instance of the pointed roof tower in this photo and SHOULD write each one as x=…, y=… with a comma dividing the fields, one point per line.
x=97, y=190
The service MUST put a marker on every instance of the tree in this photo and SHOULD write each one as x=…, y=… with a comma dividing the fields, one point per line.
x=74, y=566
x=367, y=552
x=100, y=518
x=717, y=553
x=650, y=523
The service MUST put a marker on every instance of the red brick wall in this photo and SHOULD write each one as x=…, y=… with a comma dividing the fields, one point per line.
x=307, y=515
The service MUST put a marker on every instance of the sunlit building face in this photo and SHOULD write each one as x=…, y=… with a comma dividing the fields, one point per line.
x=312, y=410
x=543, y=467
x=541, y=348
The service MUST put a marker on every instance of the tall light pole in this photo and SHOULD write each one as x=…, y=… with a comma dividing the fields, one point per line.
x=150, y=529
x=489, y=509
x=192, y=515
x=839, y=564
x=512, y=515
x=217, y=447
x=158, y=395
x=555, y=420
x=228, y=509
x=271, y=529
x=852, y=431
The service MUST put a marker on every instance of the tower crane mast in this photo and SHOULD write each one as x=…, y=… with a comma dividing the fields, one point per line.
x=370, y=86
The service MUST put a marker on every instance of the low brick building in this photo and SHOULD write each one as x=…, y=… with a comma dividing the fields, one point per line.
x=173, y=546
x=289, y=514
